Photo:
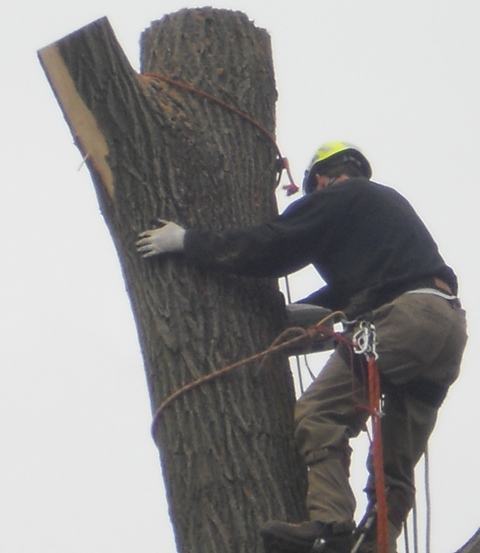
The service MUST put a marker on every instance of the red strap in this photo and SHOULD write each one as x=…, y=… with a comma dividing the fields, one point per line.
x=377, y=450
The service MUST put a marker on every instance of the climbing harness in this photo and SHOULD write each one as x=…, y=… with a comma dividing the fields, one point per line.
x=433, y=292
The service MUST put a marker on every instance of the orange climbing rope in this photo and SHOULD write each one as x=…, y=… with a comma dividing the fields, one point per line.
x=377, y=452
x=291, y=188
x=281, y=343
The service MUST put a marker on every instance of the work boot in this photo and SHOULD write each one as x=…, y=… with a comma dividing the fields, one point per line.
x=314, y=536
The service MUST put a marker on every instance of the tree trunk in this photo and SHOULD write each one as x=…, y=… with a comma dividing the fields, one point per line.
x=157, y=150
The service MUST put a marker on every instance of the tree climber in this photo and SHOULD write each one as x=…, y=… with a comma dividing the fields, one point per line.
x=379, y=263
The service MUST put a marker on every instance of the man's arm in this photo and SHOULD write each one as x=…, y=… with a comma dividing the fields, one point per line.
x=324, y=297
x=255, y=251
x=291, y=241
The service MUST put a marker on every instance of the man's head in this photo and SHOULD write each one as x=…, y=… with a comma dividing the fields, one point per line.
x=332, y=161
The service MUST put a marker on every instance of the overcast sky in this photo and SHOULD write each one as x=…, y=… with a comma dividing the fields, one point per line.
x=78, y=469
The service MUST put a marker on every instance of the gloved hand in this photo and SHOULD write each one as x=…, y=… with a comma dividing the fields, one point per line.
x=168, y=238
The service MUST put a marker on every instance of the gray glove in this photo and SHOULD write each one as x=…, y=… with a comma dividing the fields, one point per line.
x=168, y=238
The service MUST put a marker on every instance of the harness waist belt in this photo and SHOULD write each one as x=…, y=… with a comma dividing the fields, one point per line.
x=433, y=292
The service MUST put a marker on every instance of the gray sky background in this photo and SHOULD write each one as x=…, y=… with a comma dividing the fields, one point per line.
x=78, y=469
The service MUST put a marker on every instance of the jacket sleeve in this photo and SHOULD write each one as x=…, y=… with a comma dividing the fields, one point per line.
x=257, y=251
x=325, y=297
x=288, y=243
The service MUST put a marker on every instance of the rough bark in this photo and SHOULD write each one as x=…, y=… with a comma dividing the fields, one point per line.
x=154, y=149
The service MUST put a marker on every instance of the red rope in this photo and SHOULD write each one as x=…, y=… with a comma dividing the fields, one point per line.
x=377, y=452
x=291, y=188
x=310, y=333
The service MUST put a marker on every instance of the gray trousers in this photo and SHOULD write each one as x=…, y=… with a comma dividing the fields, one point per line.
x=421, y=338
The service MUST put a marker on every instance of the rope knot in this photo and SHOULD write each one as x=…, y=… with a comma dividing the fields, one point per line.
x=283, y=164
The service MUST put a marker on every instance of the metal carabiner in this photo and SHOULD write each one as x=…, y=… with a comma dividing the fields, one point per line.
x=365, y=340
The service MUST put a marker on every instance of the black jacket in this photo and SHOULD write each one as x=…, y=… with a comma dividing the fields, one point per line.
x=364, y=239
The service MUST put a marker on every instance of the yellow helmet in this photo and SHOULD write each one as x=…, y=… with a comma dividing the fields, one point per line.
x=336, y=152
